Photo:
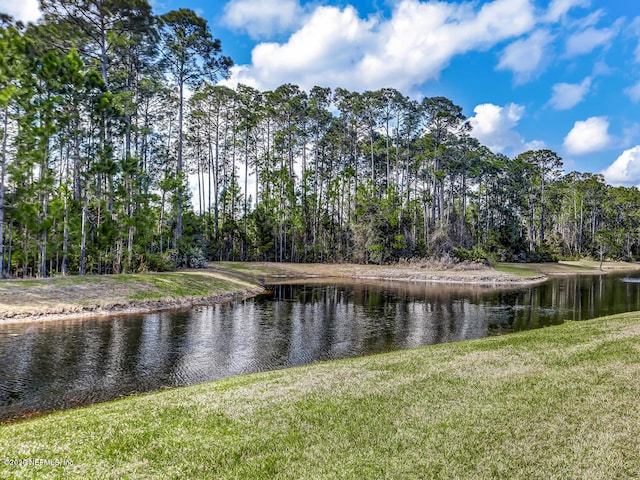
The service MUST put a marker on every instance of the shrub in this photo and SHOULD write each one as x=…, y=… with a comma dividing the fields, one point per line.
x=158, y=262
x=475, y=254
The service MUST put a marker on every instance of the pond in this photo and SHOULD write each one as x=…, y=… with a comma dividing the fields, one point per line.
x=55, y=365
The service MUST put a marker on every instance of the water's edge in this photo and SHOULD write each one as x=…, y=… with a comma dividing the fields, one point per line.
x=49, y=365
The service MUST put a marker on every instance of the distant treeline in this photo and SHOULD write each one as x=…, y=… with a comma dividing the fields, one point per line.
x=99, y=141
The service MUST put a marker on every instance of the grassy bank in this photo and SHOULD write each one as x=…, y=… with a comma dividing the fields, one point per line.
x=560, y=402
x=577, y=267
x=426, y=270
x=419, y=271
x=105, y=294
x=112, y=293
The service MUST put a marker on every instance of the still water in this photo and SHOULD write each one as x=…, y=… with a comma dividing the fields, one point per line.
x=61, y=364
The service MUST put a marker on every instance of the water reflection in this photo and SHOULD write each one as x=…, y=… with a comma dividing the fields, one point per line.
x=55, y=365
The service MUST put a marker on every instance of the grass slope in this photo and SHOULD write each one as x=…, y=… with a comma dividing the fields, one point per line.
x=104, y=294
x=559, y=402
x=418, y=271
x=567, y=267
x=427, y=270
x=73, y=294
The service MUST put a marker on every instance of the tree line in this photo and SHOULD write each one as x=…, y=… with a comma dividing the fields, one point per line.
x=121, y=152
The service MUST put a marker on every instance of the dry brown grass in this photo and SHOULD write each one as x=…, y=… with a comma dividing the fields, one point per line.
x=587, y=267
x=419, y=271
x=108, y=294
x=223, y=281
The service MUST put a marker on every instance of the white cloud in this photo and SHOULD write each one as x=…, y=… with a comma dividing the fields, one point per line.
x=337, y=47
x=322, y=52
x=241, y=74
x=24, y=10
x=600, y=68
x=494, y=125
x=421, y=38
x=634, y=92
x=625, y=170
x=525, y=57
x=262, y=18
x=635, y=27
x=568, y=95
x=591, y=38
x=559, y=8
x=588, y=136
x=590, y=20
x=535, y=145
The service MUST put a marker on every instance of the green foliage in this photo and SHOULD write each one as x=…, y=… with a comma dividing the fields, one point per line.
x=264, y=228
x=543, y=253
x=192, y=257
x=378, y=227
x=475, y=254
x=105, y=162
x=157, y=262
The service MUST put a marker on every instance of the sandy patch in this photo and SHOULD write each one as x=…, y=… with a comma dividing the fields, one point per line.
x=412, y=272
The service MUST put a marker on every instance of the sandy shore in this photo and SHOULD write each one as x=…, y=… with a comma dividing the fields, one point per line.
x=411, y=272
x=427, y=271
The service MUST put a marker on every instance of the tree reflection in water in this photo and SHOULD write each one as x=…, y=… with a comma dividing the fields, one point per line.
x=60, y=364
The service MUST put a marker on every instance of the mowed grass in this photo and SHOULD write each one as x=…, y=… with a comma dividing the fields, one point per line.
x=565, y=268
x=517, y=270
x=559, y=268
x=560, y=402
x=178, y=284
x=79, y=293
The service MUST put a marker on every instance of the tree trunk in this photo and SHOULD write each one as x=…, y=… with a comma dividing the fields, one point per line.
x=246, y=194
x=8, y=272
x=130, y=248
x=83, y=238
x=65, y=235
x=178, y=232
x=542, y=209
x=45, y=204
x=3, y=166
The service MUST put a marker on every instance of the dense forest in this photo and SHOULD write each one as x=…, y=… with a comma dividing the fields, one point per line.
x=122, y=152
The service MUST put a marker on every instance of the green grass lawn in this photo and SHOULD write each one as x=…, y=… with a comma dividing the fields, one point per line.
x=177, y=284
x=560, y=402
x=75, y=293
x=518, y=270
x=554, y=268
x=564, y=267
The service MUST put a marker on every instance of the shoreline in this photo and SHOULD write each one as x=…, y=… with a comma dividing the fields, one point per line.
x=426, y=272
x=135, y=307
x=451, y=280
x=233, y=281
x=74, y=297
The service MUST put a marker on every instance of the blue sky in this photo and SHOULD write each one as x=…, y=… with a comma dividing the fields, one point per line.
x=557, y=74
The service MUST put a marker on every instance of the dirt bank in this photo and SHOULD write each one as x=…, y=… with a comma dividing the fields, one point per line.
x=426, y=271
x=91, y=296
